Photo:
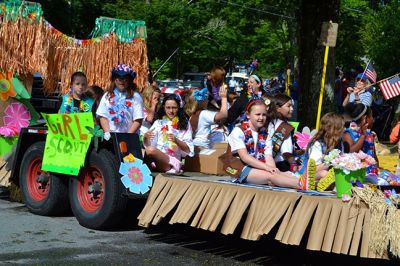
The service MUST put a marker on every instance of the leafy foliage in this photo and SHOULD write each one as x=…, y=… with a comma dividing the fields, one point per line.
x=381, y=40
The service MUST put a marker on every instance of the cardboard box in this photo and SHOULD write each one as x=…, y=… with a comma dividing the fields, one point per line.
x=207, y=161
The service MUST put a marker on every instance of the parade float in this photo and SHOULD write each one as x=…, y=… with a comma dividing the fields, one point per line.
x=96, y=178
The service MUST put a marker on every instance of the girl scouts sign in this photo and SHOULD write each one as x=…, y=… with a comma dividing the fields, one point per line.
x=67, y=142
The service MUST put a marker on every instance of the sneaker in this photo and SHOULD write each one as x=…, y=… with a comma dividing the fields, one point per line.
x=307, y=179
x=326, y=182
x=171, y=171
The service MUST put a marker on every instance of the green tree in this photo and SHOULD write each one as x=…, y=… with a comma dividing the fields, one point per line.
x=353, y=15
x=380, y=38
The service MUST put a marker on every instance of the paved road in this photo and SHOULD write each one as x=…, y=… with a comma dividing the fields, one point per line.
x=27, y=239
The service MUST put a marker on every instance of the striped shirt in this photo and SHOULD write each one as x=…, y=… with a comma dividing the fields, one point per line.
x=365, y=98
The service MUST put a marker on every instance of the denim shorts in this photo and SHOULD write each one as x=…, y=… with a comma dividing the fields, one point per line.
x=245, y=173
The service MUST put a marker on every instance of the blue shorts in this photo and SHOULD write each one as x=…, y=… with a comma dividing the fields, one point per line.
x=245, y=173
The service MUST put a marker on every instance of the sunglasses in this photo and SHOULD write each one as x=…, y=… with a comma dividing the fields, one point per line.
x=123, y=78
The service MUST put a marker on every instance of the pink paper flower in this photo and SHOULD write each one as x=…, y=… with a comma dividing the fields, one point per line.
x=16, y=115
x=302, y=139
x=349, y=161
x=9, y=131
x=361, y=155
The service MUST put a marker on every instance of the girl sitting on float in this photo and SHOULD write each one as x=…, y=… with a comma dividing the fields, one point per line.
x=170, y=137
x=201, y=119
x=121, y=107
x=249, y=154
x=151, y=98
x=325, y=140
x=75, y=100
x=358, y=135
x=279, y=129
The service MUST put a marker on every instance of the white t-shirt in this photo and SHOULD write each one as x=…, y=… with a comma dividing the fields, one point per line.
x=236, y=141
x=287, y=145
x=315, y=152
x=133, y=111
x=232, y=83
x=161, y=129
x=146, y=125
x=203, y=134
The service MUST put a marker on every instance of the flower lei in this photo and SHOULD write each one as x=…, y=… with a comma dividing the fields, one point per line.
x=252, y=96
x=118, y=108
x=69, y=105
x=249, y=141
x=169, y=146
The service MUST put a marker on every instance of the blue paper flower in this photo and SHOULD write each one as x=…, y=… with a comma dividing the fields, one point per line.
x=357, y=183
x=201, y=95
x=136, y=176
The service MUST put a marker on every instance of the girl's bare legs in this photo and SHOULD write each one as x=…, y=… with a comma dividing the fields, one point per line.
x=320, y=174
x=262, y=177
x=160, y=159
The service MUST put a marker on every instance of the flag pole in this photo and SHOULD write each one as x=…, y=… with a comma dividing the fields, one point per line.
x=365, y=69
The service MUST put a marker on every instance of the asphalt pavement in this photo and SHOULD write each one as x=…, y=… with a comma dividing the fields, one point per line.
x=28, y=239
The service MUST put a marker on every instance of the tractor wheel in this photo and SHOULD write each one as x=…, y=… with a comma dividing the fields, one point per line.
x=96, y=194
x=44, y=193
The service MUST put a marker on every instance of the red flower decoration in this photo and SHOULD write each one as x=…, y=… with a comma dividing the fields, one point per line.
x=112, y=112
x=112, y=102
x=135, y=175
x=128, y=103
x=116, y=120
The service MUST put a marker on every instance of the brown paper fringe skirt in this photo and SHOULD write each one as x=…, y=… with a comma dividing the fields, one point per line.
x=342, y=228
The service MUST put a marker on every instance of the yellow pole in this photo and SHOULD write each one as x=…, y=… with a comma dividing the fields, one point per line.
x=321, y=92
x=288, y=81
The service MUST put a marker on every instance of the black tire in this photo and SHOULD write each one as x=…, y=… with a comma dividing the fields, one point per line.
x=105, y=208
x=50, y=199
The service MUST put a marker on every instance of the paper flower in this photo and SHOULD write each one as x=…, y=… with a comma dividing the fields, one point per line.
x=16, y=115
x=303, y=138
x=136, y=176
x=346, y=198
x=6, y=88
x=200, y=95
x=348, y=161
x=9, y=131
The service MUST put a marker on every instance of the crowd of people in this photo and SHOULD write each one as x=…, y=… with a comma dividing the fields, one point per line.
x=256, y=127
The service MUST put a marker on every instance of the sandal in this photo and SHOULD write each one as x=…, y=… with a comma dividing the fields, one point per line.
x=327, y=182
x=307, y=179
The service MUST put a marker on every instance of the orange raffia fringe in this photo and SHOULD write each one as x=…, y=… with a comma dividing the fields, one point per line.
x=26, y=48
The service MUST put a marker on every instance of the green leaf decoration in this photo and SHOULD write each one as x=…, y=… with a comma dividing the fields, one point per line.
x=98, y=133
x=125, y=30
x=19, y=88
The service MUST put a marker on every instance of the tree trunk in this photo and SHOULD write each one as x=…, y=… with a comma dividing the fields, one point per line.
x=311, y=57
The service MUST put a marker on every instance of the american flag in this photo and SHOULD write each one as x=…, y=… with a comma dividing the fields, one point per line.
x=371, y=73
x=390, y=87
